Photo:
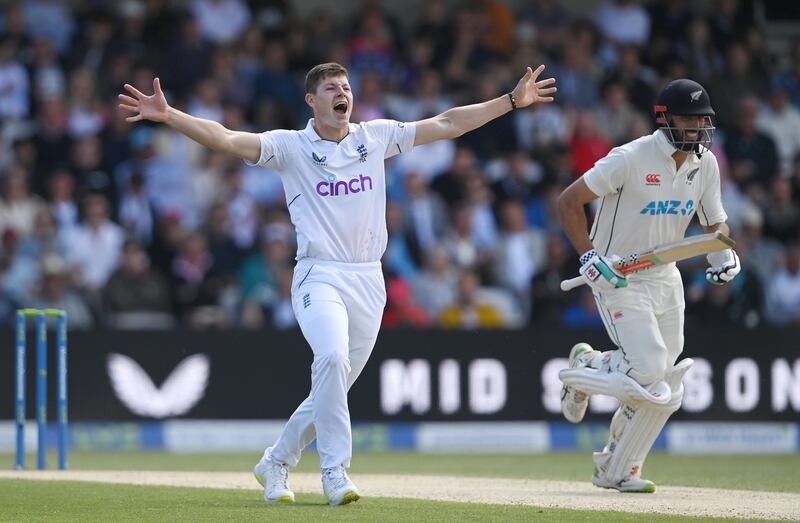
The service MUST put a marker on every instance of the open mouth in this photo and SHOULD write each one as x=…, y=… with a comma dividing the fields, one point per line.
x=340, y=107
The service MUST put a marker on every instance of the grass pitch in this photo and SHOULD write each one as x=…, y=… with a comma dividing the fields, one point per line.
x=24, y=500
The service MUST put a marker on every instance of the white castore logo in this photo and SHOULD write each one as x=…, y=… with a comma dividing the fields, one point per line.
x=696, y=95
x=181, y=391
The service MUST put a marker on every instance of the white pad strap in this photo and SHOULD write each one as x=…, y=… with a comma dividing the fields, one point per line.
x=634, y=429
x=616, y=384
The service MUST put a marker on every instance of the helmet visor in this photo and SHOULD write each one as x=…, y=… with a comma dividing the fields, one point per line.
x=688, y=139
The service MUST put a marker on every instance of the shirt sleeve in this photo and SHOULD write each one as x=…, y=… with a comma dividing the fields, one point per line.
x=397, y=137
x=710, y=211
x=609, y=174
x=276, y=147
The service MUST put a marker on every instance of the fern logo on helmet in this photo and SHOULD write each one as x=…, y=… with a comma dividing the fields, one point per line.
x=696, y=95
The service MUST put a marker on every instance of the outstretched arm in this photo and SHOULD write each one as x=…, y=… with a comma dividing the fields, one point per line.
x=205, y=132
x=459, y=120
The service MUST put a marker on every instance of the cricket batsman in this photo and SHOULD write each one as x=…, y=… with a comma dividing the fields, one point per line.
x=650, y=190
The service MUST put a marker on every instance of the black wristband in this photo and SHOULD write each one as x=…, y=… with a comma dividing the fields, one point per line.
x=513, y=101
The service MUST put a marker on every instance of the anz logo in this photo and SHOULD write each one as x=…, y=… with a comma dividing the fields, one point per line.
x=674, y=207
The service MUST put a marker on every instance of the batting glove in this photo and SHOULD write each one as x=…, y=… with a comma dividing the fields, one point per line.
x=600, y=273
x=724, y=267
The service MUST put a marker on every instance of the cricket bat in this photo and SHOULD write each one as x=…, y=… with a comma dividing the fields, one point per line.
x=663, y=254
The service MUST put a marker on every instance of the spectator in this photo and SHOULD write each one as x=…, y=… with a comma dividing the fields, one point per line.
x=57, y=293
x=727, y=305
x=780, y=120
x=764, y=253
x=551, y=22
x=789, y=78
x=401, y=311
x=616, y=113
x=87, y=115
x=62, y=198
x=401, y=250
x=783, y=290
x=541, y=129
x=577, y=77
x=51, y=20
x=434, y=287
x=426, y=215
x=282, y=310
x=583, y=313
x=548, y=301
x=221, y=21
x=94, y=246
x=520, y=251
x=468, y=312
x=737, y=80
x=51, y=137
x=639, y=81
x=261, y=275
x=18, y=206
x=14, y=84
x=228, y=256
x=136, y=214
x=516, y=177
x=47, y=76
x=196, y=285
x=242, y=208
x=452, y=184
x=587, y=145
x=622, y=22
x=188, y=58
x=26, y=254
x=460, y=242
x=90, y=171
x=136, y=296
x=782, y=216
x=698, y=52
x=9, y=303
x=752, y=155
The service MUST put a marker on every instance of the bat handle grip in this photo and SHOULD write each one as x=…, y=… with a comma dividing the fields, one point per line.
x=568, y=285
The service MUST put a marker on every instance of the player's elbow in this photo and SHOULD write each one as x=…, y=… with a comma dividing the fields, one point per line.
x=566, y=202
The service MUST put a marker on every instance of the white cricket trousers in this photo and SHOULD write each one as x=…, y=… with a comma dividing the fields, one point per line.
x=645, y=322
x=339, y=307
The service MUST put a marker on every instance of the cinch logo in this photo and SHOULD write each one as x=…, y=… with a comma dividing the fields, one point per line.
x=319, y=161
x=657, y=207
x=652, y=179
x=331, y=187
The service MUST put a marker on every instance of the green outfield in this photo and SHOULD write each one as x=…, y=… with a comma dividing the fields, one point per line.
x=24, y=500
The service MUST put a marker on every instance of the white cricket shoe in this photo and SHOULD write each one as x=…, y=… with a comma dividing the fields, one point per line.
x=274, y=477
x=337, y=486
x=573, y=401
x=629, y=484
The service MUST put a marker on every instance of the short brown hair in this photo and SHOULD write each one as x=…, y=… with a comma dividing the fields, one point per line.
x=322, y=71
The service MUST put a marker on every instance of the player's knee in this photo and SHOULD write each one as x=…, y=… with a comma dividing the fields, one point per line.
x=647, y=373
x=334, y=358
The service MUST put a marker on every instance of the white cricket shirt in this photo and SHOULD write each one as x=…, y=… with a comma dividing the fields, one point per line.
x=336, y=192
x=645, y=202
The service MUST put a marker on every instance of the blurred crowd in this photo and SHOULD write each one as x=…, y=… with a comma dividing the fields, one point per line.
x=135, y=226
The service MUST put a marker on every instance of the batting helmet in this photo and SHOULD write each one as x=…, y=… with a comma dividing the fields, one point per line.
x=684, y=97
